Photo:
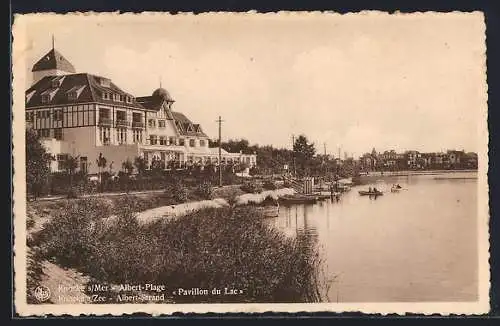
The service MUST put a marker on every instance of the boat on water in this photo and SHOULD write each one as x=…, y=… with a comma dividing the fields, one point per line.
x=343, y=188
x=370, y=193
x=323, y=196
x=396, y=188
x=299, y=199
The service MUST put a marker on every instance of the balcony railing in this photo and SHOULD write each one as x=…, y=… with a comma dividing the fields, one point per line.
x=122, y=123
x=138, y=124
x=103, y=121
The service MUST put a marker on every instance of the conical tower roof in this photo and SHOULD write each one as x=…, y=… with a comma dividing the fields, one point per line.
x=53, y=60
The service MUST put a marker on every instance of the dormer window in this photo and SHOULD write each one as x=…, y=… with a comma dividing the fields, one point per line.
x=179, y=125
x=75, y=92
x=29, y=96
x=48, y=95
x=104, y=82
x=45, y=98
x=56, y=82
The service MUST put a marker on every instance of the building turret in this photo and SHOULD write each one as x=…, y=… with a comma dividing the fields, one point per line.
x=52, y=64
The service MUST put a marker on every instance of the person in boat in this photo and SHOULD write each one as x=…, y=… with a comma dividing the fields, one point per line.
x=398, y=186
x=370, y=189
x=375, y=190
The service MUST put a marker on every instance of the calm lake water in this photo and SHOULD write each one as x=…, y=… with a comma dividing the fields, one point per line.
x=416, y=245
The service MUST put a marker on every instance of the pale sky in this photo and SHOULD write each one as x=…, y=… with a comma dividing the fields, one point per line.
x=354, y=81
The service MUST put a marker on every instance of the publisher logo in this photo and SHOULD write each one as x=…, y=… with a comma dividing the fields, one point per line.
x=42, y=293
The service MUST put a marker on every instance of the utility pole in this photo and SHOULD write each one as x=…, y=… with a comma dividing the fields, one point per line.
x=220, y=151
x=293, y=153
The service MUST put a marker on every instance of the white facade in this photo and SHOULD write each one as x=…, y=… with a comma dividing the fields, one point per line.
x=88, y=134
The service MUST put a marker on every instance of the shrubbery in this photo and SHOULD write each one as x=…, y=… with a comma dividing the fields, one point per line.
x=58, y=183
x=252, y=187
x=70, y=235
x=270, y=185
x=205, y=190
x=210, y=248
x=177, y=191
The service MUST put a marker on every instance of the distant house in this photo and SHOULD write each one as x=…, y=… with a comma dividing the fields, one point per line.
x=412, y=159
x=368, y=162
x=470, y=160
x=389, y=159
x=456, y=158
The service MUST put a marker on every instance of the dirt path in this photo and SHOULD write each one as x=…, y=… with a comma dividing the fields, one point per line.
x=153, y=214
x=66, y=285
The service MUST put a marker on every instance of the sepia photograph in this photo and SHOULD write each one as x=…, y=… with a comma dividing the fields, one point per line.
x=226, y=162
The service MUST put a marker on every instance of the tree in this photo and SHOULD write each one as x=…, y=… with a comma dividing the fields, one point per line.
x=111, y=167
x=157, y=166
x=37, y=163
x=128, y=167
x=140, y=164
x=70, y=165
x=101, y=164
x=303, y=152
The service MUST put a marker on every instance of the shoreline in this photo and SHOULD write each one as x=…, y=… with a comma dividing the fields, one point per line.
x=409, y=172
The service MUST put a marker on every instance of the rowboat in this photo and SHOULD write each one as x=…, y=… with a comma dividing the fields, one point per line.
x=370, y=193
x=343, y=188
x=323, y=196
x=298, y=199
x=396, y=188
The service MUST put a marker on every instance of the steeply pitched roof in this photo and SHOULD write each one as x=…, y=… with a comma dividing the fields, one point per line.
x=88, y=85
x=187, y=127
x=53, y=60
x=182, y=123
x=149, y=103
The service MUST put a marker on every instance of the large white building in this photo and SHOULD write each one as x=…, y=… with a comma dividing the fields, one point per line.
x=83, y=115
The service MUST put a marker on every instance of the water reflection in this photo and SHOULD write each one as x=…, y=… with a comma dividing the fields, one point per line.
x=418, y=244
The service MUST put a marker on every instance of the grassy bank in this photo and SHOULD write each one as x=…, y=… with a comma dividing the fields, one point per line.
x=211, y=248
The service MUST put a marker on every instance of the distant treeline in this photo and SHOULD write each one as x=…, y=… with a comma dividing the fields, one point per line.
x=302, y=160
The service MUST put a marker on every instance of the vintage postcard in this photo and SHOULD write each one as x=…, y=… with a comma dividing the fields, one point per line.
x=246, y=162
